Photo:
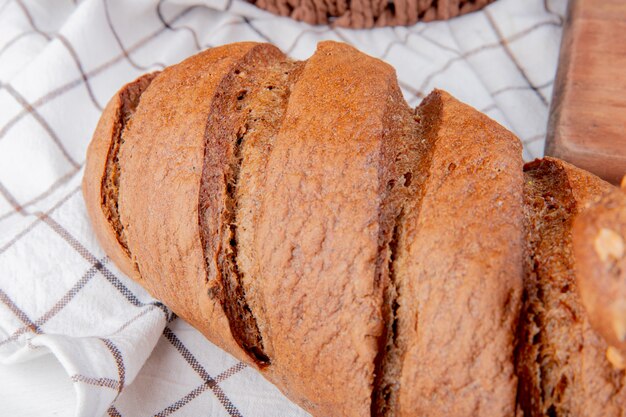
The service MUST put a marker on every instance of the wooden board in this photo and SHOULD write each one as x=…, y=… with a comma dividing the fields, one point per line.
x=587, y=124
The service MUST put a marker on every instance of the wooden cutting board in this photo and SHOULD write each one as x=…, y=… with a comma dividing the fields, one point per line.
x=587, y=125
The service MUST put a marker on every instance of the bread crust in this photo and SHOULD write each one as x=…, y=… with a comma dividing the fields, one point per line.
x=460, y=250
x=232, y=120
x=159, y=197
x=115, y=117
x=318, y=229
x=265, y=115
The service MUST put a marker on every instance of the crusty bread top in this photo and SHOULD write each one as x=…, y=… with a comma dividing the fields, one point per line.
x=159, y=192
x=317, y=233
x=102, y=172
x=230, y=121
x=365, y=257
x=460, y=258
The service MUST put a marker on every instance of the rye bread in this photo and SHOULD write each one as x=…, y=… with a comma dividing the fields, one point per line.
x=365, y=257
x=324, y=226
x=266, y=109
x=560, y=360
x=236, y=115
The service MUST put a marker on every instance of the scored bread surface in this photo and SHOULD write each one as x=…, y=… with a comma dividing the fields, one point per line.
x=318, y=231
x=102, y=172
x=266, y=107
x=159, y=197
x=367, y=258
x=561, y=361
x=460, y=260
x=229, y=120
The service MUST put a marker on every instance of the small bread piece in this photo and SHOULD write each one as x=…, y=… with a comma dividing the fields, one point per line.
x=460, y=267
x=599, y=237
x=102, y=172
x=561, y=361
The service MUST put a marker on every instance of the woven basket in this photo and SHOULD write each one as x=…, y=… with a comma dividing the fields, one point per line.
x=362, y=14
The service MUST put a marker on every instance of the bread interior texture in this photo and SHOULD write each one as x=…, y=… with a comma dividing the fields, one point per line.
x=129, y=98
x=413, y=152
x=549, y=329
x=246, y=111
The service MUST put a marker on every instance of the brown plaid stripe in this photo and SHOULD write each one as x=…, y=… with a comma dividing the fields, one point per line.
x=136, y=317
x=32, y=225
x=548, y=9
x=79, y=65
x=44, y=124
x=199, y=390
x=28, y=323
x=8, y=197
x=52, y=94
x=58, y=306
x=193, y=362
x=113, y=412
x=168, y=25
x=96, y=265
x=98, y=382
x=119, y=362
x=21, y=5
x=17, y=38
x=125, y=52
x=89, y=257
x=522, y=87
x=67, y=45
x=420, y=92
x=505, y=44
x=58, y=183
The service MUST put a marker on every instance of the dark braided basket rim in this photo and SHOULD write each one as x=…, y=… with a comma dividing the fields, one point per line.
x=362, y=14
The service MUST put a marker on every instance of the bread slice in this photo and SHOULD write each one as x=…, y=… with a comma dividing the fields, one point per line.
x=264, y=106
x=561, y=361
x=330, y=196
x=239, y=116
x=458, y=267
x=102, y=172
x=599, y=242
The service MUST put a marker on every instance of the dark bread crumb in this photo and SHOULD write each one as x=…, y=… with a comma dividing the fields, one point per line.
x=129, y=98
x=402, y=171
x=560, y=361
x=239, y=112
x=549, y=311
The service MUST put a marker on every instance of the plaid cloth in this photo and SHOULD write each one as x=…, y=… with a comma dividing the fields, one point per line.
x=122, y=352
